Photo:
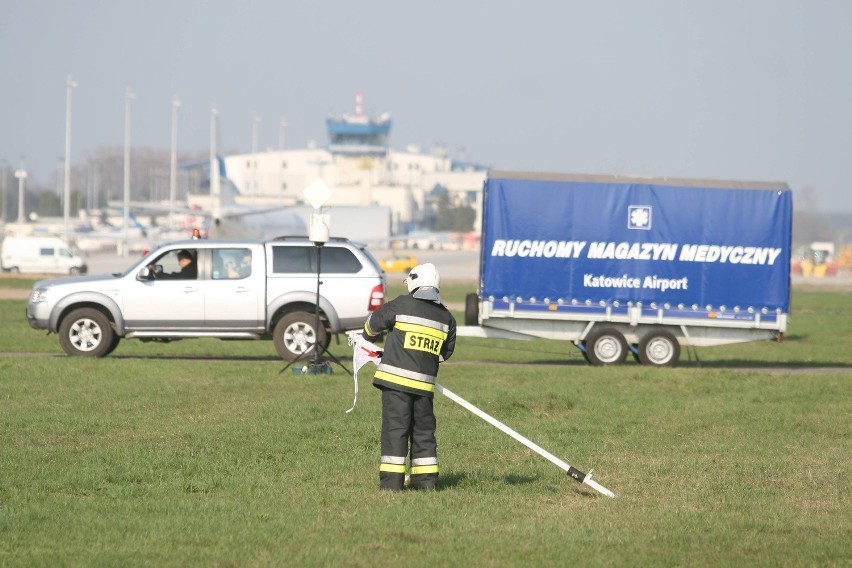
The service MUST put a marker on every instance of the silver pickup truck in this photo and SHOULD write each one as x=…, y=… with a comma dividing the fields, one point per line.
x=235, y=289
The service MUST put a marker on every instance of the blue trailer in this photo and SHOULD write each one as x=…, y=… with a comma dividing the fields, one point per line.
x=624, y=264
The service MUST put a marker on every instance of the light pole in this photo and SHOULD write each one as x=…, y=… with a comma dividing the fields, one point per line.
x=21, y=174
x=128, y=97
x=255, y=120
x=3, y=182
x=66, y=206
x=173, y=172
x=281, y=126
x=215, y=181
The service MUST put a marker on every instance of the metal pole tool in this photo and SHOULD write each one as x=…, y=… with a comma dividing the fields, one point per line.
x=573, y=472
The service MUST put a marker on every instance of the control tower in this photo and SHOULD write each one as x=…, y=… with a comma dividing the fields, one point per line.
x=358, y=135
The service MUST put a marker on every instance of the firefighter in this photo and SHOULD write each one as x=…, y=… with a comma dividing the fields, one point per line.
x=421, y=333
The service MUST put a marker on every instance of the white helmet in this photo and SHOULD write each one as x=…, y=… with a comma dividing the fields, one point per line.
x=423, y=275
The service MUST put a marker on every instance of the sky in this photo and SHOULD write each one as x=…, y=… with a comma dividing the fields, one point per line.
x=757, y=90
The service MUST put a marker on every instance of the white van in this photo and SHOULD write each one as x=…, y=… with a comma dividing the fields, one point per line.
x=40, y=255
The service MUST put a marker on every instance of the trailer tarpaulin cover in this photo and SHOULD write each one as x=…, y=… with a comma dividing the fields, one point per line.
x=606, y=240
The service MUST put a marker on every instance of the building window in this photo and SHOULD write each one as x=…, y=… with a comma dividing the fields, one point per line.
x=283, y=165
x=283, y=185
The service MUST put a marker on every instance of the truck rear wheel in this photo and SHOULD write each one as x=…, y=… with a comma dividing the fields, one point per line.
x=296, y=335
x=606, y=346
x=659, y=349
x=86, y=332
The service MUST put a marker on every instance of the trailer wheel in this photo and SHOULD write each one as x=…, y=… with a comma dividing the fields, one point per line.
x=659, y=349
x=86, y=332
x=296, y=335
x=471, y=309
x=606, y=346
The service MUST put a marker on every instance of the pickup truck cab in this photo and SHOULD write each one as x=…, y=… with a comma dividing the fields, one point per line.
x=234, y=289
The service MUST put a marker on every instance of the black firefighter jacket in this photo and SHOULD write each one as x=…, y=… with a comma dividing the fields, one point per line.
x=421, y=334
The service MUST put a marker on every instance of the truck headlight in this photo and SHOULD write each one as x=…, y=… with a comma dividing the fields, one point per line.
x=39, y=295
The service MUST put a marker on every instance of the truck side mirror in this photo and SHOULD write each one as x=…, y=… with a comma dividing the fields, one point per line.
x=147, y=274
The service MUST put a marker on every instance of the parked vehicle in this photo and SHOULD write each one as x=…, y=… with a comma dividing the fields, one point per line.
x=397, y=263
x=40, y=255
x=621, y=265
x=238, y=289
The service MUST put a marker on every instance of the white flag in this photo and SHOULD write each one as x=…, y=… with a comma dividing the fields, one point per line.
x=363, y=352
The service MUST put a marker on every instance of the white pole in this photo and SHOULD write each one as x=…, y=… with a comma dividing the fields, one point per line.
x=173, y=171
x=281, y=127
x=254, y=125
x=66, y=207
x=128, y=96
x=3, y=175
x=255, y=120
x=215, y=181
x=21, y=174
x=573, y=472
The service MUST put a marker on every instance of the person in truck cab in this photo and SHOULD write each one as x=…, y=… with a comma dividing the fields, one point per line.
x=188, y=269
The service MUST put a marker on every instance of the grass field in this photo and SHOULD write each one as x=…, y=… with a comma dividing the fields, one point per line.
x=202, y=453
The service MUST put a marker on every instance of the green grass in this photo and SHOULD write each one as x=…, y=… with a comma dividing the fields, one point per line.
x=201, y=453
x=16, y=282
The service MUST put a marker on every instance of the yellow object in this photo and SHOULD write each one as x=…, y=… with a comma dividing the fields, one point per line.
x=398, y=263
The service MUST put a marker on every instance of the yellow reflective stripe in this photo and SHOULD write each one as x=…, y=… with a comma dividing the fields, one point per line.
x=392, y=468
x=419, y=385
x=422, y=469
x=419, y=342
x=422, y=329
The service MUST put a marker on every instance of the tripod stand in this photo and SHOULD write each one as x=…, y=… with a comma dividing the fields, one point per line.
x=318, y=365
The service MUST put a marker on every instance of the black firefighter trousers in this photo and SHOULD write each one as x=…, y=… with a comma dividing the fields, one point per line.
x=408, y=418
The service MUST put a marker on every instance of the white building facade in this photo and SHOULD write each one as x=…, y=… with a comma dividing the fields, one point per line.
x=361, y=170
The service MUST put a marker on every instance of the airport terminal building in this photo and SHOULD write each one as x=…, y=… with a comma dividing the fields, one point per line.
x=362, y=170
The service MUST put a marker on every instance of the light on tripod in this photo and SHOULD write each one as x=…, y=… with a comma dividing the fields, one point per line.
x=317, y=193
x=318, y=232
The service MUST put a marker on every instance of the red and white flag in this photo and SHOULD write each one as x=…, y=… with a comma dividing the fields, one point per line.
x=363, y=352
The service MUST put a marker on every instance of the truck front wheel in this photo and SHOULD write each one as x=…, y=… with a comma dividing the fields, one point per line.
x=606, y=346
x=296, y=335
x=659, y=349
x=86, y=332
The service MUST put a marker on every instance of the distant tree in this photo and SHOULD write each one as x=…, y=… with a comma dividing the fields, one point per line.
x=49, y=205
x=443, y=209
x=464, y=217
x=450, y=217
x=75, y=203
